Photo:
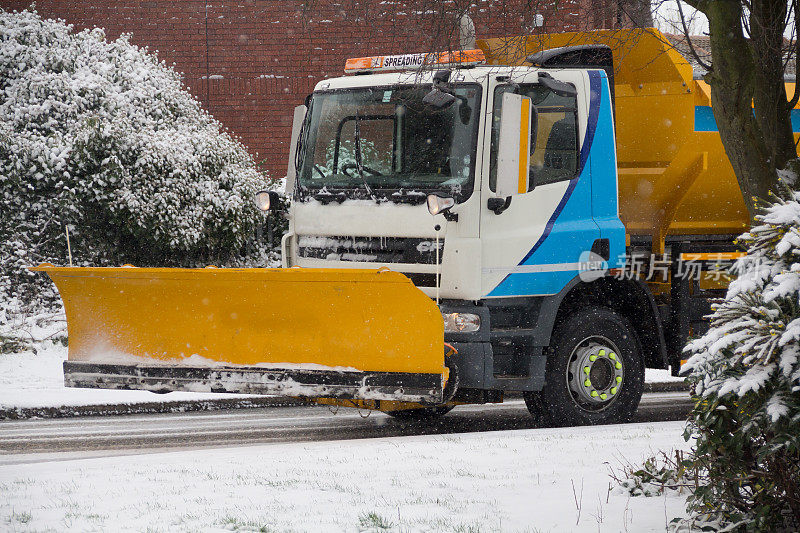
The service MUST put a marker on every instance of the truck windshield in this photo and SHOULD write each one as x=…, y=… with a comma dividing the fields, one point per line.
x=379, y=141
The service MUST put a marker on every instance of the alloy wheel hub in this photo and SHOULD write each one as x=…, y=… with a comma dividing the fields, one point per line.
x=596, y=374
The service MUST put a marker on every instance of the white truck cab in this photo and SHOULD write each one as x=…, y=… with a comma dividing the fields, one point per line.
x=373, y=150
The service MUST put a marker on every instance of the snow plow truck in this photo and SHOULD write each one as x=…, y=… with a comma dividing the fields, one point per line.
x=542, y=215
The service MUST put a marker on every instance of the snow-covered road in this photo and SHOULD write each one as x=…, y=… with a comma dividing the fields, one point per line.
x=26, y=441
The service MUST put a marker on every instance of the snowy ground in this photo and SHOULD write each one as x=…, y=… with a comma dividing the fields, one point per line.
x=525, y=480
x=36, y=380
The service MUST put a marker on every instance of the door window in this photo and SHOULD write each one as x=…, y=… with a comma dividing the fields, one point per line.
x=554, y=150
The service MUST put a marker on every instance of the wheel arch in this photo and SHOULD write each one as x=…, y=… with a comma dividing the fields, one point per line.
x=630, y=298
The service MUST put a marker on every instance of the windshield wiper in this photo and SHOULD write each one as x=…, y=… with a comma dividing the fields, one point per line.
x=325, y=197
x=359, y=164
x=408, y=197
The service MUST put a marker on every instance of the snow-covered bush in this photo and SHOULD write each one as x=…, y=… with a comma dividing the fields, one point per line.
x=101, y=137
x=745, y=374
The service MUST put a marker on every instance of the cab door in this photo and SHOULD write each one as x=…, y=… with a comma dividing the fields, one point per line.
x=534, y=245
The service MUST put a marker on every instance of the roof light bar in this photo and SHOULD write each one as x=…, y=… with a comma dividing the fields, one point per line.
x=355, y=65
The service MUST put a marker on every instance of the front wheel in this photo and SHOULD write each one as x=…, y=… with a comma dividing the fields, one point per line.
x=595, y=373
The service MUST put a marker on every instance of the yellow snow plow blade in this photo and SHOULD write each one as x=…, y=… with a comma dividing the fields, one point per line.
x=360, y=334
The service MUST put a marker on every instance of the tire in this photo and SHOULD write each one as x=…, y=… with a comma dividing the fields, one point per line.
x=421, y=414
x=594, y=374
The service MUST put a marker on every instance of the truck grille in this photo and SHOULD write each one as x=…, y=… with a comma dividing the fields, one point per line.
x=369, y=249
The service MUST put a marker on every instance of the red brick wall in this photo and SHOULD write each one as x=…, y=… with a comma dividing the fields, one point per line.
x=250, y=62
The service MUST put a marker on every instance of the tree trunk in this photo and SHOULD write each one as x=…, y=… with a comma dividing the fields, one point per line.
x=769, y=92
x=733, y=81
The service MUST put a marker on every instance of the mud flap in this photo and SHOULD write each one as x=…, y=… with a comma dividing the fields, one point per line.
x=360, y=334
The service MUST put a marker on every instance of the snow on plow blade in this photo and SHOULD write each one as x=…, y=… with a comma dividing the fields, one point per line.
x=359, y=334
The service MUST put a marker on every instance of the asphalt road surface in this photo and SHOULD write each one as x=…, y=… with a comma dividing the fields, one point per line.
x=29, y=441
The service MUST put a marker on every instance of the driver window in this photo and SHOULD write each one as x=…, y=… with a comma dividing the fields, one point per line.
x=554, y=151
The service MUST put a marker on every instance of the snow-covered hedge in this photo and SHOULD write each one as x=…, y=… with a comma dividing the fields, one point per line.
x=746, y=378
x=102, y=137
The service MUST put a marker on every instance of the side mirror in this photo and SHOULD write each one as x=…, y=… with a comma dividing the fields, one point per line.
x=558, y=87
x=266, y=200
x=297, y=126
x=517, y=126
x=464, y=112
x=438, y=99
x=441, y=204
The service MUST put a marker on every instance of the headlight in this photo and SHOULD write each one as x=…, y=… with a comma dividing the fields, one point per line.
x=461, y=322
x=439, y=204
x=266, y=200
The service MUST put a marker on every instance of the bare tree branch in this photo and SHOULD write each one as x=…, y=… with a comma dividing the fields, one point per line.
x=689, y=42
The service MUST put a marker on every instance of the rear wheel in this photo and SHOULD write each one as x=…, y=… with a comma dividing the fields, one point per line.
x=595, y=373
x=422, y=413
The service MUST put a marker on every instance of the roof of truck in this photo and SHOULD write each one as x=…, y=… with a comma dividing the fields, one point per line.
x=411, y=77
